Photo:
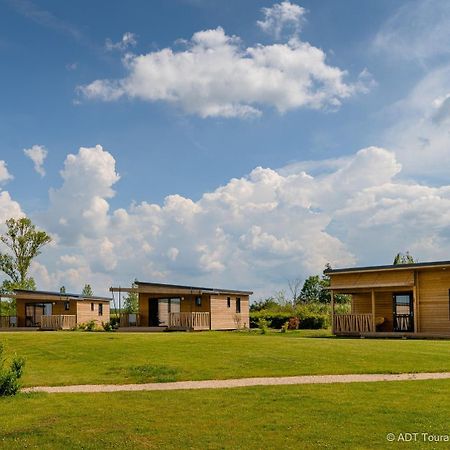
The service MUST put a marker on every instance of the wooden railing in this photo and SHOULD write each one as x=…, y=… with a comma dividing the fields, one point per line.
x=189, y=320
x=352, y=323
x=8, y=321
x=130, y=320
x=58, y=322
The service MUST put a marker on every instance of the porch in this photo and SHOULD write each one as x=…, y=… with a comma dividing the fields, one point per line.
x=175, y=321
x=58, y=322
x=8, y=321
x=383, y=310
x=189, y=321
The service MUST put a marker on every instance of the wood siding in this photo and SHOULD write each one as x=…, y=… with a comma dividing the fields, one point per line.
x=224, y=318
x=362, y=304
x=433, y=292
x=372, y=279
x=84, y=313
x=81, y=309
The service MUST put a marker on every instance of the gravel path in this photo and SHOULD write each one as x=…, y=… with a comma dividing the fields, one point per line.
x=240, y=382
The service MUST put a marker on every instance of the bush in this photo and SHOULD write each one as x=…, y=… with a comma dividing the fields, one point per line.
x=293, y=323
x=311, y=316
x=274, y=319
x=107, y=326
x=89, y=326
x=285, y=327
x=9, y=377
x=263, y=325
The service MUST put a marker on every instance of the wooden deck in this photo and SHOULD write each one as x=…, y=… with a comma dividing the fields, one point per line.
x=189, y=321
x=58, y=322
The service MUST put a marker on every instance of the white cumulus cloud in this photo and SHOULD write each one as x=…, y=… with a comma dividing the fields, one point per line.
x=281, y=16
x=5, y=176
x=128, y=40
x=216, y=76
x=37, y=154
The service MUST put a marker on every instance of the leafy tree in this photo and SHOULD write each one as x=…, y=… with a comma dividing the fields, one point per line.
x=404, y=258
x=62, y=290
x=24, y=242
x=265, y=304
x=316, y=290
x=87, y=291
x=131, y=301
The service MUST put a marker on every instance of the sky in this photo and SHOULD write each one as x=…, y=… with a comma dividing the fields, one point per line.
x=228, y=144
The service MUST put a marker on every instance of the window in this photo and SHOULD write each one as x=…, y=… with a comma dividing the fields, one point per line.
x=66, y=306
x=238, y=305
x=92, y=307
x=228, y=302
x=100, y=309
x=198, y=301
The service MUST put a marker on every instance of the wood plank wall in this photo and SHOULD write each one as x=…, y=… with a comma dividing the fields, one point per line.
x=434, y=288
x=224, y=318
x=362, y=304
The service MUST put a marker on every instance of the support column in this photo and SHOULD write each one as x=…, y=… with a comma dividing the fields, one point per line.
x=332, y=311
x=415, y=308
x=373, y=310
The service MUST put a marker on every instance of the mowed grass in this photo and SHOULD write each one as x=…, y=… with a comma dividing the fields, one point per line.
x=353, y=416
x=61, y=358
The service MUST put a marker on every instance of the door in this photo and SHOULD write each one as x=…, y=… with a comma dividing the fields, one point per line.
x=153, y=313
x=403, y=312
x=34, y=312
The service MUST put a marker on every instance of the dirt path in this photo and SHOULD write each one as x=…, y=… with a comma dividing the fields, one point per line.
x=240, y=382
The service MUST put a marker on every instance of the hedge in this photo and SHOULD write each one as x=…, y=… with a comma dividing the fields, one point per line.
x=308, y=319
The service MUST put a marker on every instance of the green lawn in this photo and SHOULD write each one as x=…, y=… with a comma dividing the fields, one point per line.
x=57, y=358
x=299, y=417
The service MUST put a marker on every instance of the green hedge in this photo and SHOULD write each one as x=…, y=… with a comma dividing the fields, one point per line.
x=308, y=319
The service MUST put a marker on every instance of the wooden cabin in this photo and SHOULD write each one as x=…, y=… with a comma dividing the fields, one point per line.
x=55, y=311
x=190, y=308
x=406, y=300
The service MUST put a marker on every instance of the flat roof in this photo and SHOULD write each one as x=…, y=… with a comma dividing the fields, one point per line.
x=192, y=288
x=61, y=294
x=418, y=265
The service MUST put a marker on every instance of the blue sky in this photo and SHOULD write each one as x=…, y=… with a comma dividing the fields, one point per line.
x=351, y=94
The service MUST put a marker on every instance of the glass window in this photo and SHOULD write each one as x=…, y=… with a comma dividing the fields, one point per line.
x=92, y=307
x=228, y=302
x=238, y=305
x=100, y=309
x=174, y=305
x=66, y=306
x=198, y=301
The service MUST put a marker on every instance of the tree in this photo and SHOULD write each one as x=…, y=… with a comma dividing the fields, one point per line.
x=131, y=301
x=316, y=290
x=87, y=291
x=404, y=258
x=62, y=290
x=295, y=289
x=24, y=242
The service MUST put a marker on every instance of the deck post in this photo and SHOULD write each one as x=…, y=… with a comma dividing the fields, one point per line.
x=373, y=310
x=415, y=308
x=332, y=310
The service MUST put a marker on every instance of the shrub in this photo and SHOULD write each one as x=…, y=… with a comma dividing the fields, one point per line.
x=293, y=323
x=263, y=325
x=89, y=326
x=274, y=319
x=285, y=327
x=107, y=326
x=9, y=377
x=115, y=322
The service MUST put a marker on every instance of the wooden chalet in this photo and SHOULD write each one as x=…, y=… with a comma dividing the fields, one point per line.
x=55, y=311
x=174, y=307
x=406, y=300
